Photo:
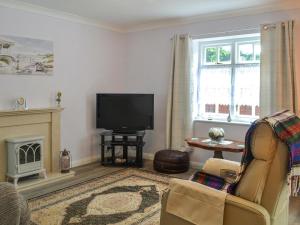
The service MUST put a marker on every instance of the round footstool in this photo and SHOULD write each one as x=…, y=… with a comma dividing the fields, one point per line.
x=171, y=161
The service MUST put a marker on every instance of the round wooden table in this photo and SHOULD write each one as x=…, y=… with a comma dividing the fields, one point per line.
x=218, y=148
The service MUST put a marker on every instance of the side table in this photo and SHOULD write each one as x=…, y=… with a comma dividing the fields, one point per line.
x=218, y=148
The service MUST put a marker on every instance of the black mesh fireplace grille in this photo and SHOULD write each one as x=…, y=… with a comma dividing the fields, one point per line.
x=29, y=153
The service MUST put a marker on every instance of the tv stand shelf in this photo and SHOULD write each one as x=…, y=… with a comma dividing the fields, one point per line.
x=110, y=139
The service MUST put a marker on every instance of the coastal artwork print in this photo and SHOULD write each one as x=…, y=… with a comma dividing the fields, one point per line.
x=25, y=56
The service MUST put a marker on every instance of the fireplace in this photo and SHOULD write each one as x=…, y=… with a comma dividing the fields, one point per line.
x=31, y=123
x=25, y=157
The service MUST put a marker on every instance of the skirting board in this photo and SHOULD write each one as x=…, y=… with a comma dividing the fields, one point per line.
x=149, y=156
x=39, y=182
x=84, y=161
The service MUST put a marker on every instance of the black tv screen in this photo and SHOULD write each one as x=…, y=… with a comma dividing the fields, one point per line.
x=125, y=112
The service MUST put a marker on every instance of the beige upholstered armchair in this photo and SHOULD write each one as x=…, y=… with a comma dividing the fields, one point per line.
x=261, y=197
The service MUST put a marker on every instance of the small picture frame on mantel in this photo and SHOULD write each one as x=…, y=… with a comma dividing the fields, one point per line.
x=21, y=104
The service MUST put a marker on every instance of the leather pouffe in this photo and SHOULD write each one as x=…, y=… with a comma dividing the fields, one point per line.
x=171, y=161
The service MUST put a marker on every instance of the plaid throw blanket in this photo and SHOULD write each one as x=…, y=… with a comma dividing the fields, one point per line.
x=286, y=126
x=209, y=180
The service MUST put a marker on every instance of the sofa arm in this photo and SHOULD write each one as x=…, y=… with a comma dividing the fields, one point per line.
x=167, y=218
x=237, y=211
x=13, y=207
x=221, y=168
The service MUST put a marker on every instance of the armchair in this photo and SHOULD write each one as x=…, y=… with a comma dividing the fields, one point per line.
x=261, y=197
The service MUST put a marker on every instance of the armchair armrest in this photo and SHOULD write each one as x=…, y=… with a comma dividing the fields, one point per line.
x=237, y=211
x=13, y=207
x=222, y=168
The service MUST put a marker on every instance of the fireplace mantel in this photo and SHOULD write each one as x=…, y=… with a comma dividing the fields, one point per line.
x=29, y=111
x=40, y=122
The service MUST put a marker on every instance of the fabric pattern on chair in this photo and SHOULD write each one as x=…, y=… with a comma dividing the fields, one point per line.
x=13, y=207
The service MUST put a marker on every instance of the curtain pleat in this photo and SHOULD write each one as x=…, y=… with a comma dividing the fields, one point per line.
x=179, y=108
x=277, y=84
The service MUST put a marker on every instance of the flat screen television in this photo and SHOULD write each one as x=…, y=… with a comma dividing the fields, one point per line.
x=125, y=112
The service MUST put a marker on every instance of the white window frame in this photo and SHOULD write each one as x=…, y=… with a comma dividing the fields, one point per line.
x=234, y=42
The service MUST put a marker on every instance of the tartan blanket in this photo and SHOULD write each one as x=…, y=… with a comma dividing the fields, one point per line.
x=209, y=180
x=219, y=183
x=286, y=126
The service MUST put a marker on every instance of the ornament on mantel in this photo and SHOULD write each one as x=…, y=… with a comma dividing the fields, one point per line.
x=58, y=98
x=21, y=104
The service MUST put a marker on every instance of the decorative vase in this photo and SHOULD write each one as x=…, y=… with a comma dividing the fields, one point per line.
x=65, y=161
x=229, y=118
x=216, y=134
x=58, y=98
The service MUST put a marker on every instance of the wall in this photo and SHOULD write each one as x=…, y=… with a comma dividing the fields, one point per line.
x=90, y=60
x=148, y=63
x=87, y=60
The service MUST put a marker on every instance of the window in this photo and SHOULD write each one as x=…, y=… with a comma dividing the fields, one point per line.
x=227, y=71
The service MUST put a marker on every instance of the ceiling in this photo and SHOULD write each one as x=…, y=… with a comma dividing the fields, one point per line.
x=129, y=15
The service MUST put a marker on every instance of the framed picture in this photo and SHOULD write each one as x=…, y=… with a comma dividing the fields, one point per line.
x=25, y=56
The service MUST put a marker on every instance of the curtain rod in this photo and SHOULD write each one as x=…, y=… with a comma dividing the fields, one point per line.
x=273, y=25
x=221, y=32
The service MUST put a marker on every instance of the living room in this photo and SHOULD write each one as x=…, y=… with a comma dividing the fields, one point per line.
x=124, y=47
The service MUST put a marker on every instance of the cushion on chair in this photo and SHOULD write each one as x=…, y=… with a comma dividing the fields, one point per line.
x=264, y=146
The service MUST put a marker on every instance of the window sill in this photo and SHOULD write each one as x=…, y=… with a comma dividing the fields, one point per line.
x=223, y=122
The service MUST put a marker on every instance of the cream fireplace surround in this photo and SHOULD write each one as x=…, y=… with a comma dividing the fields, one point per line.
x=33, y=122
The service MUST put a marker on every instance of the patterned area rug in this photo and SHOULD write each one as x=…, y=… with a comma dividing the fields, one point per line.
x=128, y=197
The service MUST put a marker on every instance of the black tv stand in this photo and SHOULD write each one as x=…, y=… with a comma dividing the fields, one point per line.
x=111, y=139
x=120, y=132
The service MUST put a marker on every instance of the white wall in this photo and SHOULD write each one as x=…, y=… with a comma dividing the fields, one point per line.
x=148, y=63
x=90, y=60
x=87, y=60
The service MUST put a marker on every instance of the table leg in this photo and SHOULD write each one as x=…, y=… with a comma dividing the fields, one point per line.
x=125, y=149
x=218, y=154
x=102, y=149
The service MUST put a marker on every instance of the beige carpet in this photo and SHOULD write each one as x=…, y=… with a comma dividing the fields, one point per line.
x=126, y=197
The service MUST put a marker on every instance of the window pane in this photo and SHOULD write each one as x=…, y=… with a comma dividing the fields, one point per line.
x=257, y=52
x=214, y=90
x=246, y=92
x=221, y=62
x=245, y=52
x=211, y=55
x=225, y=54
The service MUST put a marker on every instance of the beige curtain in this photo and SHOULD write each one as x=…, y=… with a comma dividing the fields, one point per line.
x=278, y=84
x=179, y=108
